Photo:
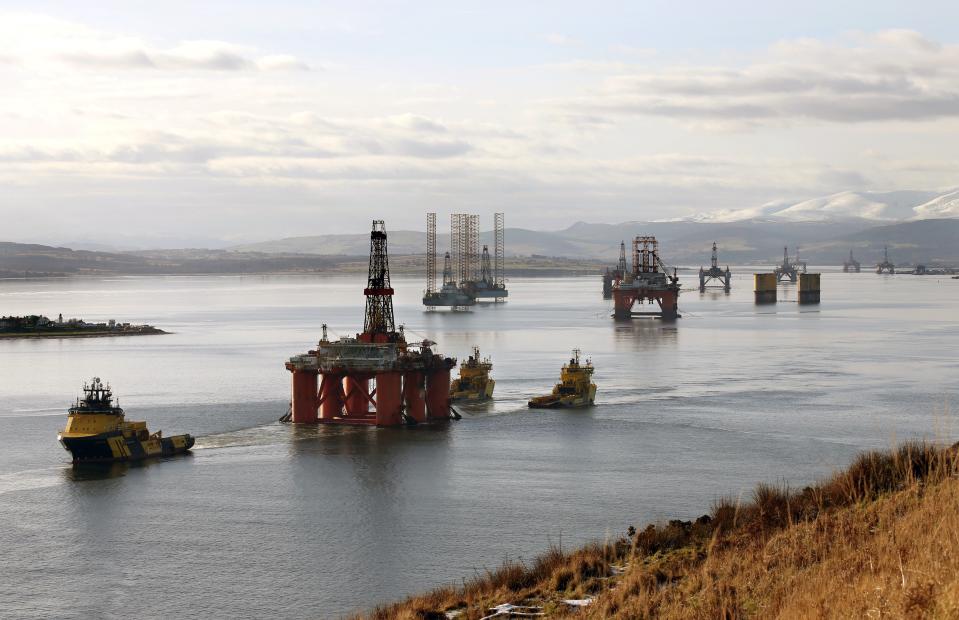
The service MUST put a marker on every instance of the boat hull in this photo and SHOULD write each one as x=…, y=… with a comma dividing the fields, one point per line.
x=559, y=403
x=115, y=447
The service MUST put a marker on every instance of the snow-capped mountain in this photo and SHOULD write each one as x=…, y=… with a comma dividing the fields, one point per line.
x=946, y=205
x=893, y=206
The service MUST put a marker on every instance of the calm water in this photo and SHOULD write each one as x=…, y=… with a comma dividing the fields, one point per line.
x=269, y=520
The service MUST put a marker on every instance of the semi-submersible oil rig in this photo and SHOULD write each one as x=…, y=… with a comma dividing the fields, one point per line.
x=648, y=282
x=376, y=378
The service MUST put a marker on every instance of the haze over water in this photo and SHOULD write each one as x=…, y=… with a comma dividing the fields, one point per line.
x=269, y=519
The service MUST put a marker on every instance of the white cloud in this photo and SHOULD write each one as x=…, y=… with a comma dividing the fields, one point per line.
x=32, y=39
x=556, y=38
x=890, y=76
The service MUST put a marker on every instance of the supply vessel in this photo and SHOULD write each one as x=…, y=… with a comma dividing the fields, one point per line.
x=474, y=383
x=97, y=431
x=575, y=388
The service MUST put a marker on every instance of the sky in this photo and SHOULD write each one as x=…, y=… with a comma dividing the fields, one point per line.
x=181, y=123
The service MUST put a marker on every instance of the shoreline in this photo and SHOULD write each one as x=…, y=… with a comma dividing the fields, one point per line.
x=881, y=534
x=91, y=334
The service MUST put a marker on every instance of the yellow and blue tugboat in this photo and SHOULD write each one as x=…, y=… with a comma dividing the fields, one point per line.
x=575, y=388
x=97, y=432
x=474, y=383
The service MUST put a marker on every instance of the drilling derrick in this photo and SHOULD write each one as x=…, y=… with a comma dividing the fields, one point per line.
x=647, y=282
x=714, y=273
x=448, y=279
x=612, y=276
x=379, y=295
x=486, y=269
x=376, y=377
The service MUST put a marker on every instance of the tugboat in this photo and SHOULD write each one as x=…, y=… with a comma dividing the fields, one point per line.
x=474, y=383
x=97, y=432
x=574, y=389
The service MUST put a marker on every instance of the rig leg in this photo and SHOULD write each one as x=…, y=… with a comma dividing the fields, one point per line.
x=669, y=304
x=623, y=305
x=414, y=392
x=357, y=390
x=389, y=399
x=438, y=395
x=331, y=397
x=304, y=397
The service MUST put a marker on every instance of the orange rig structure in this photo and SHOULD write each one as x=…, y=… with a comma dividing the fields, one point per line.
x=646, y=283
x=376, y=378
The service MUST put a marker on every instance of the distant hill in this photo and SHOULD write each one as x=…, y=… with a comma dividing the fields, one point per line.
x=681, y=242
x=573, y=249
x=32, y=260
x=910, y=243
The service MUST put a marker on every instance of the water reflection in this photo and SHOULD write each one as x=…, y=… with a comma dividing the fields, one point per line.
x=85, y=472
x=713, y=293
x=643, y=334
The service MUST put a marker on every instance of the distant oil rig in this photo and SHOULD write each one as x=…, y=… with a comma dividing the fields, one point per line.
x=616, y=274
x=851, y=265
x=885, y=266
x=468, y=276
x=375, y=378
x=714, y=273
x=789, y=269
x=647, y=282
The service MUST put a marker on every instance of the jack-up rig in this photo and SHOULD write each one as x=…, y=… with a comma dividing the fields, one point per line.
x=885, y=265
x=851, y=265
x=467, y=275
x=376, y=378
x=789, y=269
x=451, y=294
x=612, y=276
x=714, y=273
x=647, y=282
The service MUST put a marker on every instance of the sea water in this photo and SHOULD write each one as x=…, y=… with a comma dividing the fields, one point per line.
x=267, y=519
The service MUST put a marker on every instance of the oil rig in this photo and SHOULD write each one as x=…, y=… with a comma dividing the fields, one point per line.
x=714, y=273
x=467, y=275
x=451, y=294
x=647, y=282
x=375, y=378
x=885, y=266
x=789, y=269
x=851, y=265
x=612, y=276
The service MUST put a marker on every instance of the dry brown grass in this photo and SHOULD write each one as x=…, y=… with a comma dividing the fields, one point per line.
x=880, y=539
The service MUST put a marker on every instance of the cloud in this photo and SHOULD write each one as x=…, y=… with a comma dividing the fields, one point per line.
x=37, y=39
x=281, y=62
x=555, y=38
x=889, y=76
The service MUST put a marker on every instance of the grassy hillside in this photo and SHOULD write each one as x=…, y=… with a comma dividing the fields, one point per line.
x=880, y=539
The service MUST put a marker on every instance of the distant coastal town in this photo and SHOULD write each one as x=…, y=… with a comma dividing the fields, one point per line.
x=39, y=326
